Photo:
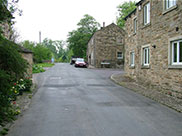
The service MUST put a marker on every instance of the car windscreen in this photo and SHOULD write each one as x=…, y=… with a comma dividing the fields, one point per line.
x=80, y=60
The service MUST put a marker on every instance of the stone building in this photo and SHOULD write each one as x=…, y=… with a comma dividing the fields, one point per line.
x=153, y=45
x=106, y=47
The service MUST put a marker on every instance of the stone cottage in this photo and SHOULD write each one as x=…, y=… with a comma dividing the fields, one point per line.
x=153, y=44
x=106, y=47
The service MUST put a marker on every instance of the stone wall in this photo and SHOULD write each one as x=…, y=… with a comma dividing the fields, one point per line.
x=104, y=46
x=164, y=27
x=29, y=57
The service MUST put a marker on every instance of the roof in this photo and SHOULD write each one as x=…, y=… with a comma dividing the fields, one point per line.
x=137, y=4
x=24, y=50
x=140, y=2
x=102, y=28
x=130, y=14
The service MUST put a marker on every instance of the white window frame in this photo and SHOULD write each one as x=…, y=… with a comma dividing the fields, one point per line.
x=146, y=13
x=145, y=57
x=118, y=56
x=169, y=4
x=132, y=58
x=178, y=53
x=135, y=25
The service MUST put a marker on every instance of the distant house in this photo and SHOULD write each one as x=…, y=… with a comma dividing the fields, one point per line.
x=153, y=44
x=106, y=47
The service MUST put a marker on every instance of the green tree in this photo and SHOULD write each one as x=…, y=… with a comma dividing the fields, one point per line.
x=56, y=47
x=7, y=9
x=124, y=10
x=40, y=51
x=88, y=25
x=28, y=45
x=78, y=39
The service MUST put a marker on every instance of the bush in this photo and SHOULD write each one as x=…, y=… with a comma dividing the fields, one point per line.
x=10, y=59
x=12, y=68
x=5, y=96
x=37, y=69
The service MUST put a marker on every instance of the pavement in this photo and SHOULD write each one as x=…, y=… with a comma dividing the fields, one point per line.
x=85, y=102
x=155, y=94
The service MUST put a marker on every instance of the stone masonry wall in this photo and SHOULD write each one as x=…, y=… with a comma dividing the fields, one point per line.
x=29, y=58
x=164, y=25
x=105, y=44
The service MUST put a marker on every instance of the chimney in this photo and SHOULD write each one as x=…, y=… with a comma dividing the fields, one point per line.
x=103, y=24
x=40, y=37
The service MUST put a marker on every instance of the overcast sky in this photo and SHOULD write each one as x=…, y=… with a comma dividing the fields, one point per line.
x=55, y=18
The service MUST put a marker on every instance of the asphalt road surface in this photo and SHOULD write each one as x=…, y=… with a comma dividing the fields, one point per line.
x=85, y=102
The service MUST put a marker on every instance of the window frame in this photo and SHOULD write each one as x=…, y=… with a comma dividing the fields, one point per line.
x=177, y=42
x=146, y=14
x=167, y=3
x=132, y=59
x=145, y=60
x=119, y=57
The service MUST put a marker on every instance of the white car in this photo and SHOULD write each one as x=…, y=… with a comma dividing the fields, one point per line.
x=80, y=63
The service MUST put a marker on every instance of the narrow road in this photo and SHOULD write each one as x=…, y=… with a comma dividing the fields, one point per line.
x=85, y=102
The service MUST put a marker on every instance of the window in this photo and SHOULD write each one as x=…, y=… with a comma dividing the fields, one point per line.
x=145, y=56
x=120, y=55
x=147, y=14
x=169, y=3
x=132, y=59
x=135, y=25
x=177, y=52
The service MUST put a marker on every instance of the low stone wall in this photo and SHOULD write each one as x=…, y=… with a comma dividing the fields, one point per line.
x=29, y=58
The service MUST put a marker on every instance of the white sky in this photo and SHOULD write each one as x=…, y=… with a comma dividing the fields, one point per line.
x=55, y=18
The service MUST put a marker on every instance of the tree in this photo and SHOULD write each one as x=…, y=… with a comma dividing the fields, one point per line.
x=78, y=39
x=56, y=47
x=124, y=10
x=88, y=24
x=41, y=53
x=28, y=45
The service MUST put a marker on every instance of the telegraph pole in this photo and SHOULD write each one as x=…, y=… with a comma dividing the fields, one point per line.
x=40, y=37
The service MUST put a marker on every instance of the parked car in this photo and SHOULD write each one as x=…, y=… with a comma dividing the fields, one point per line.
x=80, y=63
x=73, y=60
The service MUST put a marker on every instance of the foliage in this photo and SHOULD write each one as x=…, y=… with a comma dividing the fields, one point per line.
x=8, y=93
x=7, y=9
x=45, y=64
x=10, y=59
x=88, y=24
x=124, y=10
x=41, y=53
x=78, y=39
x=12, y=68
x=46, y=50
x=56, y=47
x=5, y=14
x=37, y=69
x=4, y=132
